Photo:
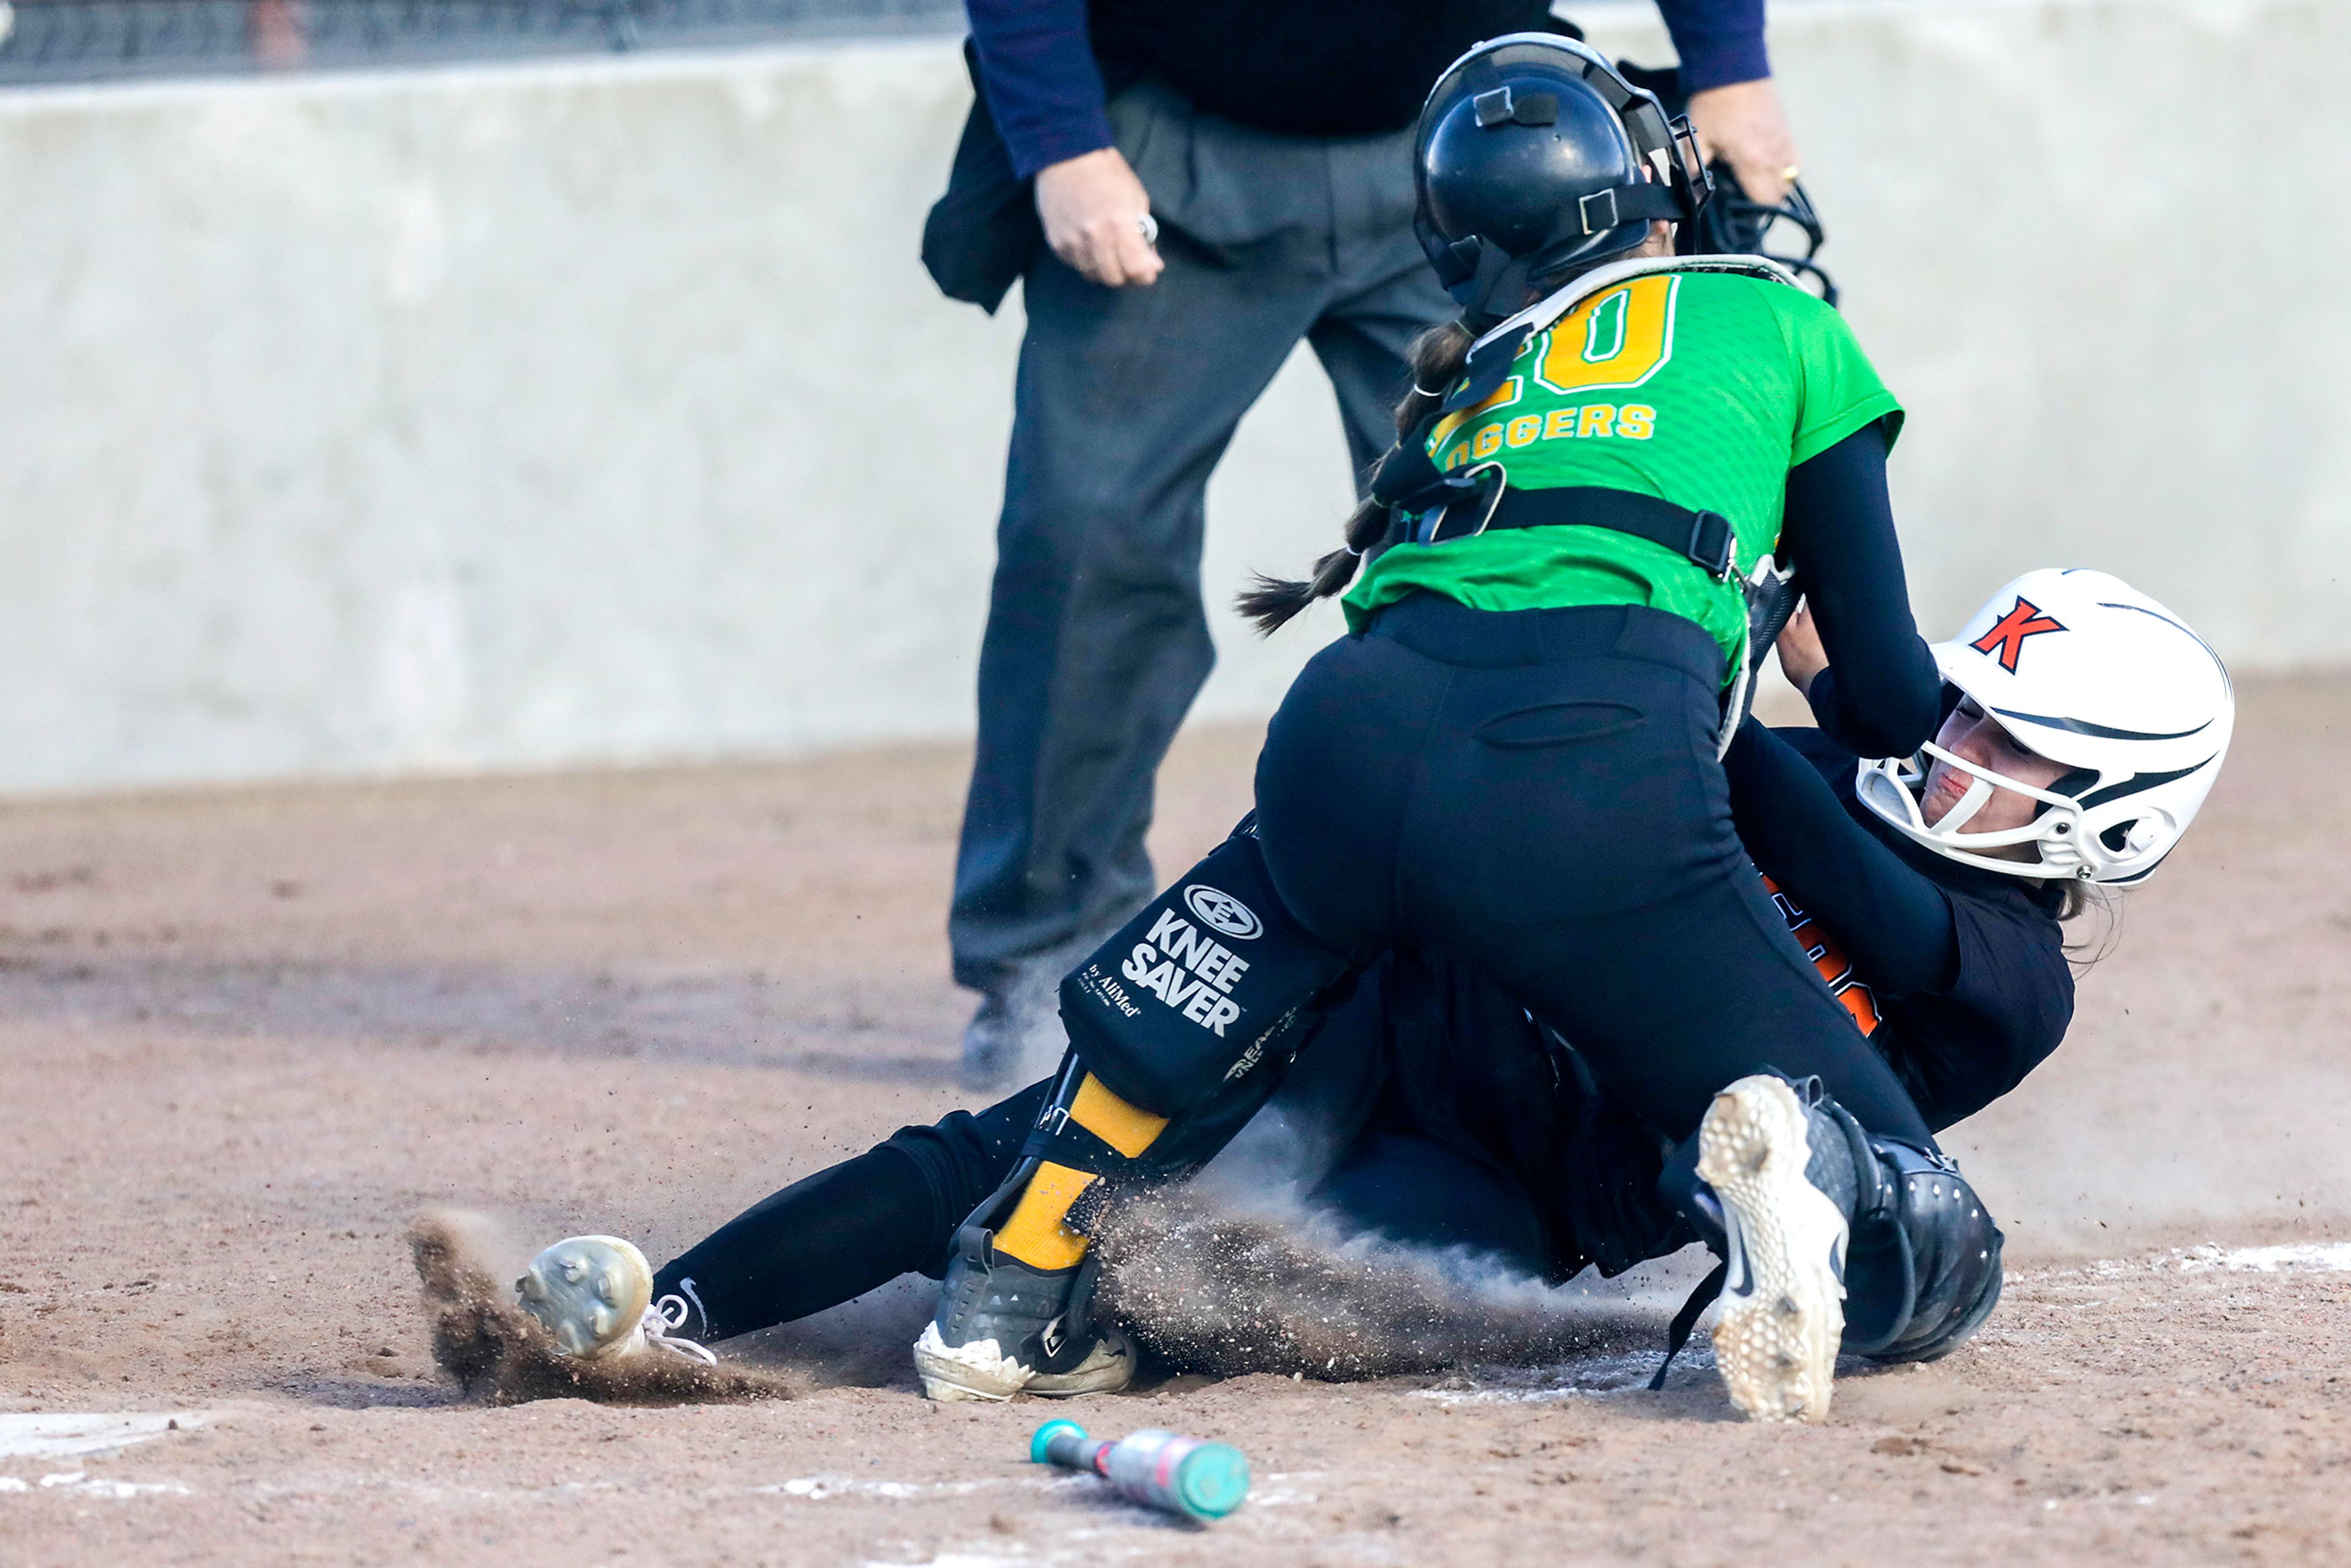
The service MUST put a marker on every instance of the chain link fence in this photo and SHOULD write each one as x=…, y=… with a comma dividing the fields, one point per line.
x=87, y=40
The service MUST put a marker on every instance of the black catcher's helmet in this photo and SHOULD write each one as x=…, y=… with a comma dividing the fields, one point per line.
x=1535, y=157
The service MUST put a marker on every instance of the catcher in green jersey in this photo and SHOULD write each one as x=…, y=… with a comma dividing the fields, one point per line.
x=1512, y=761
x=1671, y=382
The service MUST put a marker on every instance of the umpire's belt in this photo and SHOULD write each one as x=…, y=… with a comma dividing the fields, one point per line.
x=1464, y=507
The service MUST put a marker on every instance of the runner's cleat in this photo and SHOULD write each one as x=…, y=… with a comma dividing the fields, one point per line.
x=1004, y=1328
x=594, y=1294
x=1783, y=1297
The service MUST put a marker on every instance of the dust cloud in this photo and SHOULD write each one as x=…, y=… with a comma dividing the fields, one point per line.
x=1279, y=1287
x=500, y=1353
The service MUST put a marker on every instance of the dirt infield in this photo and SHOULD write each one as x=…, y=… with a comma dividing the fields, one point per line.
x=246, y=1037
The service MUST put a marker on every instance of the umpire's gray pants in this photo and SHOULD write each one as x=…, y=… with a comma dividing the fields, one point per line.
x=1097, y=639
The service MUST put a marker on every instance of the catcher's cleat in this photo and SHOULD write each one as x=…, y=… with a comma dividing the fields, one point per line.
x=1785, y=1218
x=1004, y=1328
x=595, y=1294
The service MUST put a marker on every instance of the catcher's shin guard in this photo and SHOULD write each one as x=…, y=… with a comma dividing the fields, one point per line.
x=1015, y=1315
x=1924, y=1267
x=1833, y=1239
x=1179, y=1027
x=1007, y=1325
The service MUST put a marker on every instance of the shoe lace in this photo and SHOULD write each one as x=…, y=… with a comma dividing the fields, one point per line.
x=663, y=1320
x=1678, y=1332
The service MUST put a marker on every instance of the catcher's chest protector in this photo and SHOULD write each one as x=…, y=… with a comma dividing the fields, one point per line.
x=1212, y=981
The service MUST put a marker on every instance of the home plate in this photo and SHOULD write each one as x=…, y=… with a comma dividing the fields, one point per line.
x=58, y=1434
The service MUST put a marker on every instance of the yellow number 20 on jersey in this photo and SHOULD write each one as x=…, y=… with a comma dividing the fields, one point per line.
x=1616, y=339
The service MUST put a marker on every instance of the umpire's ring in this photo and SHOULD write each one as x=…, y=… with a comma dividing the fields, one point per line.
x=1150, y=227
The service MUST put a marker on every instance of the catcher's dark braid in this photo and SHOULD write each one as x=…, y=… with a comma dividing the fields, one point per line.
x=1436, y=358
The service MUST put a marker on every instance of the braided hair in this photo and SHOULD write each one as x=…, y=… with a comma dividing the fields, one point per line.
x=1436, y=357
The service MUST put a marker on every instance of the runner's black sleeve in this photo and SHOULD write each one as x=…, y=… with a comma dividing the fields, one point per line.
x=1894, y=923
x=1882, y=695
x=1959, y=1052
x=2002, y=993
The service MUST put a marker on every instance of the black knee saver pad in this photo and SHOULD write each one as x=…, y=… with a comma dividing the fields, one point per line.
x=1923, y=1268
x=1212, y=982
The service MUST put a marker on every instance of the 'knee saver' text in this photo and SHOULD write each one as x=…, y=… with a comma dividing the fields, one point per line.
x=1187, y=970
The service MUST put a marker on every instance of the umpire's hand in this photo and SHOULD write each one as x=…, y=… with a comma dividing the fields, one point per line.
x=1098, y=218
x=1744, y=125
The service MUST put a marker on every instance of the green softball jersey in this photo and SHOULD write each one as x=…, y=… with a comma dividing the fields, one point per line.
x=1701, y=388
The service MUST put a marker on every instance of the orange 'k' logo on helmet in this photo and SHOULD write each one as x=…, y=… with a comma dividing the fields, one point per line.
x=2006, y=640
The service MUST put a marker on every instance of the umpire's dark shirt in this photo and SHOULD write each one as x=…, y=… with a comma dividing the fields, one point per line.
x=1309, y=68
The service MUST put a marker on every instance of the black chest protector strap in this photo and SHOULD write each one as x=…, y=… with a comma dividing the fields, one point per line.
x=1479, y=502
x=1487, y=368
x=1428, y=507
x=1704, y=539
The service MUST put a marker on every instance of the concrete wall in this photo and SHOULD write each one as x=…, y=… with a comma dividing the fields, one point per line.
x=601, y=410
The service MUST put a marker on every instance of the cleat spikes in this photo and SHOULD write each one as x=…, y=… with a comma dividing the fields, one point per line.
x=593, y=1294
x=1775, y=1344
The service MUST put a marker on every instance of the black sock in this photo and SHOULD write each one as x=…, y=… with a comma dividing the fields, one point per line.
x=821, y=1242
x=831, y=1237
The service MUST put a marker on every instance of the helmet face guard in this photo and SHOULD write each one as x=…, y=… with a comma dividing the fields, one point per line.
x=1534, y=157
x=1732, y=223
x=2071, y=841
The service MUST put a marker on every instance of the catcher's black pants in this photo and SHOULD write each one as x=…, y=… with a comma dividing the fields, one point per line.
x=1535, y=794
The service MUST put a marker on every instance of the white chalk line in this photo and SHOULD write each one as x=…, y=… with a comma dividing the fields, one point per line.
x=2212, y=1258
x=1595, y=1379
x=76, y=1433
x=817, y=1489
x=1092, y=1544
x=79, y=1483
x=64, y=1435
x=1602, y=1376
x=812, y=1488
x=2308, y=1257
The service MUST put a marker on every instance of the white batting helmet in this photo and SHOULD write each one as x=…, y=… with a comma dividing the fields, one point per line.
x=2088, y=671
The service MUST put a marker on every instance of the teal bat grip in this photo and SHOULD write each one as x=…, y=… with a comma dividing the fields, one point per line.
x=1165, y=1470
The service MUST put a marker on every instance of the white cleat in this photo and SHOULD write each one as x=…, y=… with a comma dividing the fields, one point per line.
x=981, y=1371
x=595, y=1296
x=1002, y=1328
x=975, y=1372
x=1783, y=1296
x=1107, y=1367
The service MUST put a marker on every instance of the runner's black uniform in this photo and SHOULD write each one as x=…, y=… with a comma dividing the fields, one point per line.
x=1458, y=1120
